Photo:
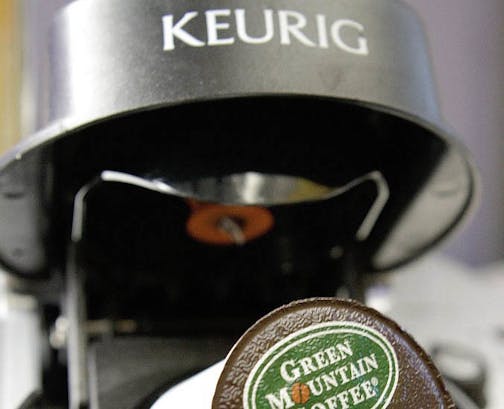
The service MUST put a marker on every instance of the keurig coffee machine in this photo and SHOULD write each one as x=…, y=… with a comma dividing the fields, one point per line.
x=203, y=163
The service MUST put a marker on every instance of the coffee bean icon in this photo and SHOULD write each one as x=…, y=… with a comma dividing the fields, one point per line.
x=300, y=393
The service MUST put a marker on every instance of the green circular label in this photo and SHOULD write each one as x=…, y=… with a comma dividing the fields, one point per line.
x=335, y=365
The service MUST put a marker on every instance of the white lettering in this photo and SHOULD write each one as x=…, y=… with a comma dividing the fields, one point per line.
x=283, y=401
x=213, y=27
x=330, y=380
x=241, y=28
x=288, y=27
x=289, y=376
x=332, y=355
x=345, y=349
x=371, y=362
x=320, y=359
x=343, y=398
x=356, y=395
x=291, y=26
x=332, y=402
x=171, y=31
x=313, y=388
x=368, y=390
x=336, y=29
x=342, y=372
x=307, y=365
x=322, y=31
x=354, y=372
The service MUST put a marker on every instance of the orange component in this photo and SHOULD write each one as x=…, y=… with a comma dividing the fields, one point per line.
x=227, y=225
x=300, y=393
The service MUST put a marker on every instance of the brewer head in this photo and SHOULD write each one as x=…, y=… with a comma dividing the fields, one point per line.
x=322, y=115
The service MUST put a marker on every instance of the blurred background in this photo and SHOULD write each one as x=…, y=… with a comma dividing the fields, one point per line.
x=440, y=300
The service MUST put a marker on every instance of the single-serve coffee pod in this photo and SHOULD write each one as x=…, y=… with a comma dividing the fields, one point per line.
x=329, y=354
